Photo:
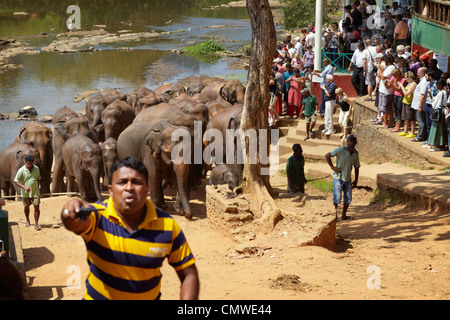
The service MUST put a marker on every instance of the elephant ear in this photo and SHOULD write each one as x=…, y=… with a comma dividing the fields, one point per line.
x=83, y=153
x=19, y=156
x=59, y=131
x=154, y=142
x=224, y=92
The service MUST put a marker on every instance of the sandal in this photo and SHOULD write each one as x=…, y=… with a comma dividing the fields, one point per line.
x=368, y=99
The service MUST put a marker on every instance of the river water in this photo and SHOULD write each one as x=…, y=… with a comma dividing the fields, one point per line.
x=49, y=81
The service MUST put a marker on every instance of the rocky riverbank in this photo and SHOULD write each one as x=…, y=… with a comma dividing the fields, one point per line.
x=82, y=41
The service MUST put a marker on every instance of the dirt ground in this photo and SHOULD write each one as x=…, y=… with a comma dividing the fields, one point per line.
x=386, y=252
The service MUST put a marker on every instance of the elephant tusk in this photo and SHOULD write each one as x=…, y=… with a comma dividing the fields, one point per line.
x=155, y=155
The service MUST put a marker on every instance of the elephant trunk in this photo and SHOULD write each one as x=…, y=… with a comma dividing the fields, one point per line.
x=182, y=176
x=95, y=174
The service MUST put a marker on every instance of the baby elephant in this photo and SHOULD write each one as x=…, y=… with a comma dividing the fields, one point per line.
x=224, y=174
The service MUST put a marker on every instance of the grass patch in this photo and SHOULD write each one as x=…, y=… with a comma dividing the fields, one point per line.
x=388, y=197
x=206, y=51
x=322, y=185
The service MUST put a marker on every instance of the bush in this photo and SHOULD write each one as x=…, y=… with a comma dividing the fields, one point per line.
x=205, y=51
x=207, y=47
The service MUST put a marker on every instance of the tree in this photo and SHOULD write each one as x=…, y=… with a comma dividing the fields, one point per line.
x=298, y=13
x=255, y=112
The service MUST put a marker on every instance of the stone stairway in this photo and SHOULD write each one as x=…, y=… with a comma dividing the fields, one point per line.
x=294, y=131
x=388, y=162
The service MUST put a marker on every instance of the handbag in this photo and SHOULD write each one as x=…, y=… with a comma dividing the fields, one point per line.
x=435, y=114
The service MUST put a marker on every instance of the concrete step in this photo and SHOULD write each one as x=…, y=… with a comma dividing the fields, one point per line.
x=312, y=141
x=310, y=153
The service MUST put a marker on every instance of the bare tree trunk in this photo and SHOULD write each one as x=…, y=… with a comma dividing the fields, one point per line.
x=255, y=113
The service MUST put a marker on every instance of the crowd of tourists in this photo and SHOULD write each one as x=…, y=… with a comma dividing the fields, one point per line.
x=409, y=90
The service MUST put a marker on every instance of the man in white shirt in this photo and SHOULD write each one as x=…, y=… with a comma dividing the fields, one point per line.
x=419, y=103
x=370, y=53
x=395, y=10
x=298, y=46
x=359, y=59
x=386, y=92
x=311, y=39
x=401, y=52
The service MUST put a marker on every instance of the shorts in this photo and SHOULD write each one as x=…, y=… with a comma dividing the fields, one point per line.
x=408, y=113
x=31, y=201
x=386, y=103
x=309, y=119
x=343, y=118
x=340, y=186
x=370, y=77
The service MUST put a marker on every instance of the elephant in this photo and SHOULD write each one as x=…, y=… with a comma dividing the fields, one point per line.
x=143, y=97
x=171, y=91
x=39, y=136
x=83, y=163
x=13, y=157
x=62, y=131
x=147, y=101
x=191, y=106
x=110, y=156
x=224, y=174
x=178, y=117
x=94, y=108
x=63, y=114
x=138, y=94
x=167, y=111
x=228, y=119
x=116, y=117
x=231, y=91
x=150, y=141
x=194, y=88
x=214, y=107
x=96, y=104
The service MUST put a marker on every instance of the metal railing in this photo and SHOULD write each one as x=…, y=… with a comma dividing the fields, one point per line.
x=340, y=61
x=434, y=10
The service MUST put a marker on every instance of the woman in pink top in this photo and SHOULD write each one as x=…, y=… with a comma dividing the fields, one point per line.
x=397, y=78
x=295, y=97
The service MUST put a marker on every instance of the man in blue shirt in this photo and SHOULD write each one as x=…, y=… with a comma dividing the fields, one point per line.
x=327, y=69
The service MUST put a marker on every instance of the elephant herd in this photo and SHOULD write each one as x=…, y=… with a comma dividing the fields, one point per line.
x=77, y=152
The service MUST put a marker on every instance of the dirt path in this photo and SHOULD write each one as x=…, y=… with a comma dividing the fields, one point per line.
x=408, y=249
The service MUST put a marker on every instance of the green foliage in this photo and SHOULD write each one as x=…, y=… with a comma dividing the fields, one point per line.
x=387, y=197
x=205, y=51
x=298, y=13
x=322, y=185
x=209, y=46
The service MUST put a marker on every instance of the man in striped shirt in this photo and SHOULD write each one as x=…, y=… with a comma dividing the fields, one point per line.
x=127, y=239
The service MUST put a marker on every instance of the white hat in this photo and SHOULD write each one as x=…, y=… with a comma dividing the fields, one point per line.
x=297, y=38
x=379, y=55
x=277, y=60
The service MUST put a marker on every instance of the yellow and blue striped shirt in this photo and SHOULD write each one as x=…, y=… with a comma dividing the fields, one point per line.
x=127, y=266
